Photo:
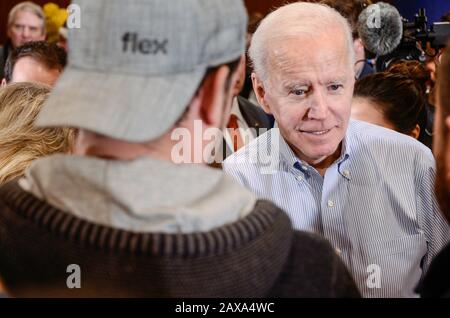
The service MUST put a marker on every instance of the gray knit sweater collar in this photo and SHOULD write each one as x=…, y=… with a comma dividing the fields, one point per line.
x=143, y=195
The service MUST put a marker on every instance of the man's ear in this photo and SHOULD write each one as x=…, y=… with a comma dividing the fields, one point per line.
x=358, y=46
x=240, y=76
x=3, y=82
x=260, y=92
x=415, y=132
x=212, y=97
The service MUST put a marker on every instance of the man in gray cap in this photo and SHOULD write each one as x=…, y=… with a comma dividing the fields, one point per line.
x=120, y=218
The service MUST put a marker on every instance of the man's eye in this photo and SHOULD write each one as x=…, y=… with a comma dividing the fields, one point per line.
x=335, y=87
x=299, y=92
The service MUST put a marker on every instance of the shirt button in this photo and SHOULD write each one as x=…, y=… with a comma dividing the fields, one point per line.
x=305, y=168
x=330, y=204
x=338, y=251
x=346, y=173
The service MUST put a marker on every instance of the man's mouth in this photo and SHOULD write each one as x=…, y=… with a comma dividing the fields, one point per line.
x=315, y=132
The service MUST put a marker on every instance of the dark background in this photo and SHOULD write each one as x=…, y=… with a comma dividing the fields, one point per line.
x=435, y=8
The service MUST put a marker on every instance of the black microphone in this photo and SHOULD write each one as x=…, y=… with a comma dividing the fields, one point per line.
x=380, y=28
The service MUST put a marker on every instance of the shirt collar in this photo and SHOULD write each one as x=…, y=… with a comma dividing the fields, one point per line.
x=293, y=162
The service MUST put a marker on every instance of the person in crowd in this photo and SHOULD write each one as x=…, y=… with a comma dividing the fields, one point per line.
x=124, y=211
x=38, y=62
x=26, y=23
x=430, y=64
x=247, y=88
x=20, y=142
x=414, y=70
x=351, y=9
x=367, y=189
x=437, y=281
x=422, y=76
x=247, y=120
x=393, y=101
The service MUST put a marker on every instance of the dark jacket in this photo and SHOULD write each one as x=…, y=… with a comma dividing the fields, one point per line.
x=367, y=70
x=254, y=115
x=257, y=256
x=436, y=283
x=4, y=52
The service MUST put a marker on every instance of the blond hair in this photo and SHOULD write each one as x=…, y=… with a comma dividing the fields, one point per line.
x=20, y=142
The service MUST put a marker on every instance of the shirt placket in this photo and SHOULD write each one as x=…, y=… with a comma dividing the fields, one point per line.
x=333, y=207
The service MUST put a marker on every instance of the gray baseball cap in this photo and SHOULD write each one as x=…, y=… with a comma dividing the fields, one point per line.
x=134, y=65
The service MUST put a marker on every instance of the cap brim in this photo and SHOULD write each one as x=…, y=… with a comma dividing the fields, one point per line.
x=121, y=106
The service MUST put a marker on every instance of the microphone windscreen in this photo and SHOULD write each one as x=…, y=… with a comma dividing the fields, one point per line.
x=380, y=28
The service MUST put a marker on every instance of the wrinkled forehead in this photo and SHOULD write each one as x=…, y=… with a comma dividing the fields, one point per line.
x=27, y=17
x=323, y=54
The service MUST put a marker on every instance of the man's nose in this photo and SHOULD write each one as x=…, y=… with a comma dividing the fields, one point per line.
x=319, y=107
x=26, y=32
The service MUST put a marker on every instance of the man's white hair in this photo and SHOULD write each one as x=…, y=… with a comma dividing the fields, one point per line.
x=27, y=6
x=297, y=20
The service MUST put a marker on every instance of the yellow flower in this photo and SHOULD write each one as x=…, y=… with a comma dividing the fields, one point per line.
x=55, y=17
x=50, y=8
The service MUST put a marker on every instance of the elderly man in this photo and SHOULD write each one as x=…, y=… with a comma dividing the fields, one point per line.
x=26, y=23
x=121, y=212
x=437, y=280
x=365, y=188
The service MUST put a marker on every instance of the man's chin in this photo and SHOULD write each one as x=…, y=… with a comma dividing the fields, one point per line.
x=315, y=158
x=323, y=152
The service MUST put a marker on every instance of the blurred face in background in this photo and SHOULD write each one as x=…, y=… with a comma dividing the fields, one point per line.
x=28, y=69
x=367, y=110
x=26, y=27
x=364, y=109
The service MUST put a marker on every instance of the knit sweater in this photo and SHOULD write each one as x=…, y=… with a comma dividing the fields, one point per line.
x=257, y=256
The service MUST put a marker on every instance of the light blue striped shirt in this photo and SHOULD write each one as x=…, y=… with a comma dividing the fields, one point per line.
x=375, y=204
